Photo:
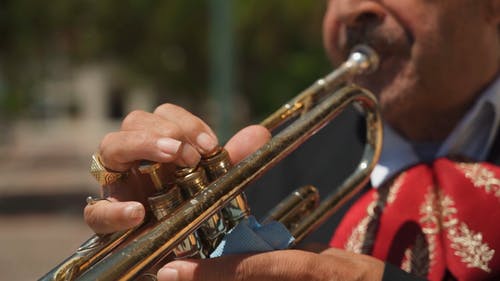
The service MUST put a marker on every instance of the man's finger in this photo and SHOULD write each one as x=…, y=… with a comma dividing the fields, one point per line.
x=107, y=217
x=197, y=132
x=279, y=265
x=246, y=141
x=290, y=265
x=120, y=150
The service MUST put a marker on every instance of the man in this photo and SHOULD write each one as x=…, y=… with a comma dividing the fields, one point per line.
x=437, y=59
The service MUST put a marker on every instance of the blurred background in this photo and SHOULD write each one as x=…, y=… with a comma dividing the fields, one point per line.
x=71, y=70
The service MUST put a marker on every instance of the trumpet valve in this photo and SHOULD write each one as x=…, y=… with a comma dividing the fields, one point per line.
x=152, y=169
x=216, y=164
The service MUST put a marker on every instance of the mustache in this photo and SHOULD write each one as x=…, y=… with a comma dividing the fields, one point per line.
x=392, y=44
x=385, y=40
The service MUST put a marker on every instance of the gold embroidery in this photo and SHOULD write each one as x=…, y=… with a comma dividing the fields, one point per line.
x=448, y=211
x=355, y=242
x=393, y=192
x=406, y=263
x=359, y=242
x=470, y=247
x=481, y=177
x=421, y=256
x=430, y=222
x=430, y=214
x=362, y=237
x=468, y=244
x=416, y=258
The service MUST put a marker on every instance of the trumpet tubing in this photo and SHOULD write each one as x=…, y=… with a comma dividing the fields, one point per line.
x=191, y=217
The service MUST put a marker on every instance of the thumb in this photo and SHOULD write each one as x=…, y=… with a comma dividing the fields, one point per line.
x=246, y=141
x=278, y=265
x=107, y=217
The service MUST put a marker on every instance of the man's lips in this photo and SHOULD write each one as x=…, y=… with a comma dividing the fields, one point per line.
x=386, y=41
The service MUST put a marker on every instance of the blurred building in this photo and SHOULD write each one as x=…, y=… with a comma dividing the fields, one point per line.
x=44, y=164
x=48, y=153
x=72, y=69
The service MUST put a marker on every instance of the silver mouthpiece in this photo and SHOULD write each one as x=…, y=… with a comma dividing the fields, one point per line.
x=364, y=59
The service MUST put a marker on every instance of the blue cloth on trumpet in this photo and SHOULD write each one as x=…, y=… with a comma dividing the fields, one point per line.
x=249, y=236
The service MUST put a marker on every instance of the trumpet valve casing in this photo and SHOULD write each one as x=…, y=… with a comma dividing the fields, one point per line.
x=216, y=164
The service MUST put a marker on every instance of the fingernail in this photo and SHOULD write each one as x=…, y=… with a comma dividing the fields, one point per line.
x=168, y=145
x=168, y=274
x=206, y=142
x=134, y=211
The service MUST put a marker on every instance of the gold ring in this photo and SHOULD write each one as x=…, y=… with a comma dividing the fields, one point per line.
x=103, y=175
x=91, y=200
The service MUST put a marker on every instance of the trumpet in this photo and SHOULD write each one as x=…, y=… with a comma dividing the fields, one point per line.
x=192, y=215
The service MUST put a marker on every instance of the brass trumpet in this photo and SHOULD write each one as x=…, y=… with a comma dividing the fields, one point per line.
x=212, y=204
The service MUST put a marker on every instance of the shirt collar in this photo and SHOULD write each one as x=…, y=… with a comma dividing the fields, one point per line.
x=472, y=138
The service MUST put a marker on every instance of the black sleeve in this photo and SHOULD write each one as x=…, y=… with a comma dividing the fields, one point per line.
x=393, y=273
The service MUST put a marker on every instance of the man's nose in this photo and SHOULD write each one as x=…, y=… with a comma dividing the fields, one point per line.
x=353, y=13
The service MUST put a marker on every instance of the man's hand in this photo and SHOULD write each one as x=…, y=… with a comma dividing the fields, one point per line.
x=170, y=135
x=175, y=137
x=290, y=265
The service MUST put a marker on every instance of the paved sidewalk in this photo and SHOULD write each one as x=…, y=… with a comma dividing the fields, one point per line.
x=32, y=245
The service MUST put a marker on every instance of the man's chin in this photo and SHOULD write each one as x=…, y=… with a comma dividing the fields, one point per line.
x=393, y=95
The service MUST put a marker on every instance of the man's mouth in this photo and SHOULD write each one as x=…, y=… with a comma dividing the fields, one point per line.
x=387, y=42
x=393, y=55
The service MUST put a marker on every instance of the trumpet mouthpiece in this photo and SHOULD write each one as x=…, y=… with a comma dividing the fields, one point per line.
x=364, y=59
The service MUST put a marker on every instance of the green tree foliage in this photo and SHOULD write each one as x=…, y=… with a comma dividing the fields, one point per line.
x=161, y=43
x=279, y=49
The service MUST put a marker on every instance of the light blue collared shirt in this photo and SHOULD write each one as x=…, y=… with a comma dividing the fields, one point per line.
x=472, y=137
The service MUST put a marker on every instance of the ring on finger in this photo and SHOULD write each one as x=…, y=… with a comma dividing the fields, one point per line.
x=103, y=175
x=91, y=200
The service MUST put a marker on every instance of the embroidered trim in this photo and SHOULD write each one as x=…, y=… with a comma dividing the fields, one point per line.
x=406, y=263
x=430, y=214
x=481, y=177
x=416, y=258
x=355, y=242
x=470, y=248
x=468, y=244
x=362, y=237
x=358, y=240
x=393, y=192
x=431, y=226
